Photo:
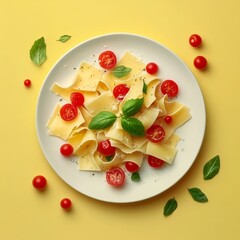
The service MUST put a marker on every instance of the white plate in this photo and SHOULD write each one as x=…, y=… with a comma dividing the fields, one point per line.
x=153, y=181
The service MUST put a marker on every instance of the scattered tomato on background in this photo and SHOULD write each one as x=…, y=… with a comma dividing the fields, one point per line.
x=27, y=83
x=200, y=62
x=66, y=203
x=39, y=182
x=195, y=40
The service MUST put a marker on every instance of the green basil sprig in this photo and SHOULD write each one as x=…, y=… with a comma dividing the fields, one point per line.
x=198, y=195
x=121, y=71
x=130, y=124
x=102, y=120
x=211, y=168
x=131, y=107
x=38, y=51
x=64, y=38
x=170, y=207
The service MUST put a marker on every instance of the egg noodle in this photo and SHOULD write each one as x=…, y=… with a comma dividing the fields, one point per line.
x=97, y=87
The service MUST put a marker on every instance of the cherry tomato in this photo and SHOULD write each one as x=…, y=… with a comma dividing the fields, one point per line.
x=66, y=203
x=115, y=176
x=27, y=83
x=68, y=112
x=168, y=119
x=131, y=166
x=120, y=91
x=39, y=182
x=200, y=62
x=77, y=99
x=107, y=60
x=66, y=149
x=105, y=148
x=170, y=88
x=155, y=133
x=195, y=40
x=155, y=162
x=152, y=68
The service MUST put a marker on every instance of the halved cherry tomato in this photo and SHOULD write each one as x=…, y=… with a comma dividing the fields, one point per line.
x=131, y=166
x=152, y=68
x=200, y=62
x=107, y=59
x=77, y=99
x=168, y=119
x=68, y=112
x=155, y=133
x=39, y=182
x=195, y=40
x=120, y=91
x=66, y=203
x=66, y=149
x=105, y=148
x=115, y=176
x=170, y=88
x=155, y=162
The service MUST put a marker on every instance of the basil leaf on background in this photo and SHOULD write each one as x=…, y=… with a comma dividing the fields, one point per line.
x=131, y=107
x=64, y=38
x=198, y=195
x=135, y=177
x=211, y=168
x=133, y=126
x=102, y=120
x=170, y=207
x=38, y=51
x=121, y=71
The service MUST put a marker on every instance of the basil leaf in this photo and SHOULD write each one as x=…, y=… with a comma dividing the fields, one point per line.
x=133, y=126
x=135, y=177
x=121, y=71
x=170, y=207
x=198, y=195
x=211, y=168
x=102, y=120
x=144, y=87
x=131, y=107
x=64, y=38
x=38, y=51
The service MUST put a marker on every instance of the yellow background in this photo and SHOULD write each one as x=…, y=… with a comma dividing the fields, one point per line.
x=26, y=214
